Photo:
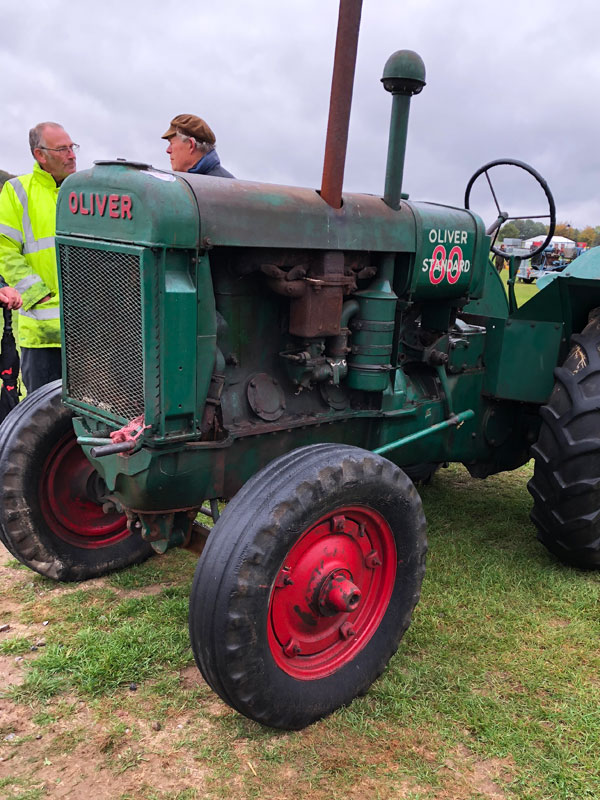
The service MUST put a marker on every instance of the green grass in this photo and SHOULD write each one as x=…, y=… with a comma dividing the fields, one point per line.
x=20, y=790
x=155, y=571
x=495, y=683
x=15, y=646
x=104, y=644
x=504, y=643
x=494, y=692
x=523, y=291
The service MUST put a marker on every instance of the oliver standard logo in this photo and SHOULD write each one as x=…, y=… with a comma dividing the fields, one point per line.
x=442, y=264
x=117, y=206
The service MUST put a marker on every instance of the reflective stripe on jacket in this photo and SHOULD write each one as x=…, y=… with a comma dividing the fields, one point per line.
x=27, y=254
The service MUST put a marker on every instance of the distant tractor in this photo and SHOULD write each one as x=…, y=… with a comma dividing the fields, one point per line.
x=299, y=354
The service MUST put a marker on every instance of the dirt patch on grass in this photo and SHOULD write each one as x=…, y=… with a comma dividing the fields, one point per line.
x=72, y=748
x=559, y=623
x=12, y=673
x=172, y=735
x=87, y=772
x=191, y=677
x=470, y=775
x=391, y=759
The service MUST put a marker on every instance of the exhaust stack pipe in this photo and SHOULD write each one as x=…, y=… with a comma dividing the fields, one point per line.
x=340, y=103
x=403, y=76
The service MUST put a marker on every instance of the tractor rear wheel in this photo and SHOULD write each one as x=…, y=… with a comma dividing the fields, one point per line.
x=566, y=480
x=51, y=515
x=421, y=473
x=308, y=583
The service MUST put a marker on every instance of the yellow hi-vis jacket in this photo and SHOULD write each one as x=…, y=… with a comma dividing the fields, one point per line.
x=27, y=254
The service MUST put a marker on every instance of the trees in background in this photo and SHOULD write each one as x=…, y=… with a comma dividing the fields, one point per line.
x=590, y=235
x=522, y=229
x=526, y=228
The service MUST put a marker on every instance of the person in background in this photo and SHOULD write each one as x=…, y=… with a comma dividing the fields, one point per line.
x=500, y=261
x=192, y=147
x=10, y=300
x=536, y=261
x=27, y=252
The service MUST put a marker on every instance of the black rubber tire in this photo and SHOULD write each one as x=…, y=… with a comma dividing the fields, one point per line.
x=421, y=473
x=566, y=482
x=27, y=437
x=236, y=574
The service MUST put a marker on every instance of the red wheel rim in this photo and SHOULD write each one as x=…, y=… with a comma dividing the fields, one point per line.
x=69, y=510
x=331, y=592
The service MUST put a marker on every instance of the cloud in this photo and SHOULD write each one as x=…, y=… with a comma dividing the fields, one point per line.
x=517, y=80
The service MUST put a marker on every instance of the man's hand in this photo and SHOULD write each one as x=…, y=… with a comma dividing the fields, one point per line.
x=10, y=298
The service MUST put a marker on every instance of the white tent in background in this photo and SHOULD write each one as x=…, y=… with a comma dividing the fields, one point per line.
x=560, y=241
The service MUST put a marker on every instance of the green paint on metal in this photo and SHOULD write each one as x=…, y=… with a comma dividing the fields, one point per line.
x=403, y=76
x=396, y=150
x=454, y=421
x=521, y=356
x=406, y=69
x=493, y=301
x=373, y=332
x=207, y=323
x=241, y=214
x=128, y=203
x=445, y=266
x=514, y=262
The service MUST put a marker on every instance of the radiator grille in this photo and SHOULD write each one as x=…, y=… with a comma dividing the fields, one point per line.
x=103, y=329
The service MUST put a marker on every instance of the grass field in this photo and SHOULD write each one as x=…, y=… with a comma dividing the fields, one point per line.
x=494, y=693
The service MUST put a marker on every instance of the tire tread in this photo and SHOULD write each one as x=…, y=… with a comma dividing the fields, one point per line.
x=565, y=488
x=235, y=574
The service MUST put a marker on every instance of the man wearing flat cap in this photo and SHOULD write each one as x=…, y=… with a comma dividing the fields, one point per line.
x=192, y=147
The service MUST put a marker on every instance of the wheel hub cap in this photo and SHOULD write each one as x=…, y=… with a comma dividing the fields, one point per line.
x=70, y=502
x=338, y=594
x=331, y=592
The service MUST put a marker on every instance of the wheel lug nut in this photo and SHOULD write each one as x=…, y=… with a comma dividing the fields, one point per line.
x=372, y=559
x=347, y=631
x=283, y=579
x=338, y=594
x=292, y=648
x=338, y=524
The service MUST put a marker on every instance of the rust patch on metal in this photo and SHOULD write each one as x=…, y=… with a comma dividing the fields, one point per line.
x=342, y=82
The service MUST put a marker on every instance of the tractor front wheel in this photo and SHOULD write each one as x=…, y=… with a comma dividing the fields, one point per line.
x=308, y=583
x=51, y=498
x=566, y=480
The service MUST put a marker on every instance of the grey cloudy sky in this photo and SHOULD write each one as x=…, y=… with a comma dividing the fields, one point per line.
x=517, y=79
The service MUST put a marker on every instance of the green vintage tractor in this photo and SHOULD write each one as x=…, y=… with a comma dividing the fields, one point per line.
x=299, y=354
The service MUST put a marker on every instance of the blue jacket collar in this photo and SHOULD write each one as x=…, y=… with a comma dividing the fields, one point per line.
x=207, y=163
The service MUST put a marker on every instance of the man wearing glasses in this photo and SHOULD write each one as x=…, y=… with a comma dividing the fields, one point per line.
x=27, y=253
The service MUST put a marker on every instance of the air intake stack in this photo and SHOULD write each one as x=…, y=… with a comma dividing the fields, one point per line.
x=403, y=76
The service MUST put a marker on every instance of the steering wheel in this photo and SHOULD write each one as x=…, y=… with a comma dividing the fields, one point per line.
x=503, y=216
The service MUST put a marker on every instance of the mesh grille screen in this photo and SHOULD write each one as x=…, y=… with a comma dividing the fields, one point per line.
x=103, y=329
